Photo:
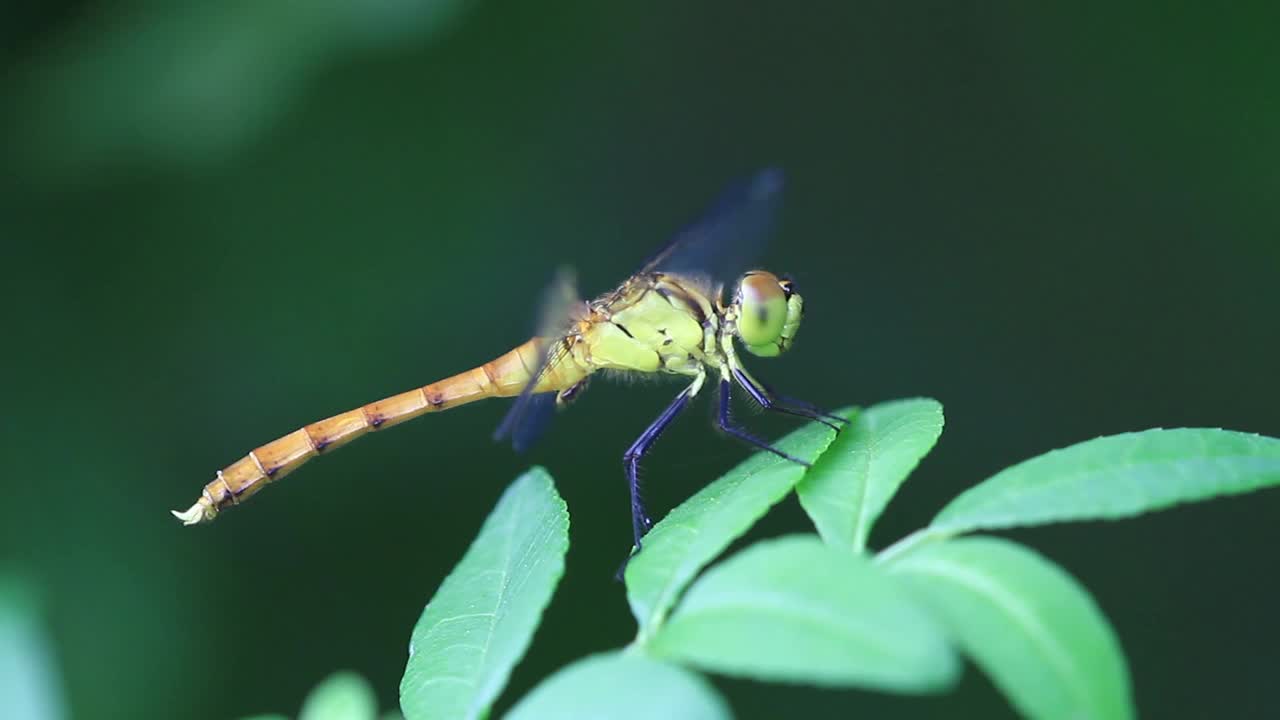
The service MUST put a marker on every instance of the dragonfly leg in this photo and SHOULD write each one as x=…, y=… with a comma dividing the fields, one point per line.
x=725, y=424
x=769, y=400
x=640, y=522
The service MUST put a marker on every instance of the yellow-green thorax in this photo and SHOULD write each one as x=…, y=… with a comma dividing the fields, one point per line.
x=653, y=323
x=678, y=324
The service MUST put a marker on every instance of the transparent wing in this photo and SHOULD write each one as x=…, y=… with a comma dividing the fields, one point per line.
x=730, y=236
x=531, y=412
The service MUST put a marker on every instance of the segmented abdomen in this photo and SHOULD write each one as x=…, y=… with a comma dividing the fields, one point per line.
x=504, y=376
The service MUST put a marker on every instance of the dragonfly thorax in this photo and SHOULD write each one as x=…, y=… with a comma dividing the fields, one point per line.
x=653, y=323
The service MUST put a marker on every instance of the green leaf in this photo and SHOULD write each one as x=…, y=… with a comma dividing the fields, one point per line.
x=855, y=478
x=343, y=695
x=701, y=527
x=618, y=686
x=482, y=618
x=797, y=610
x=1028, y=624
x=30, y=685
x=1115, y=477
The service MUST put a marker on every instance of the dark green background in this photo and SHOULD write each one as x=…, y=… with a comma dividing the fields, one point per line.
x=224, y=220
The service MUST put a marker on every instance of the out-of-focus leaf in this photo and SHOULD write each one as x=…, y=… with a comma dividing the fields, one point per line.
x=1116, y=476
x=855, y=478
x=797, y=610
x=1028, y=624
x=617, y=686
x=343, y=695
x=188, y=83
x=701, y=527
x=30, y=687
x=483, y=617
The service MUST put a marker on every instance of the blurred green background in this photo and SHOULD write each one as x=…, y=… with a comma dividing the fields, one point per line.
x=222, y=220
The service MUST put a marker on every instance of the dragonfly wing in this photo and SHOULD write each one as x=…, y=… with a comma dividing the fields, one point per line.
x=527, y=420
x=531, y=412
x=730, y=236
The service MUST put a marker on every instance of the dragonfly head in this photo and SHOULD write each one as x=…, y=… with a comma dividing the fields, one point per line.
x=768, y=311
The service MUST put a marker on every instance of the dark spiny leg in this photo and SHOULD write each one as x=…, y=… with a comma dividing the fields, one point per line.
x=769, y=400
x=807, y=407
x=640, y=522
x=722, y=419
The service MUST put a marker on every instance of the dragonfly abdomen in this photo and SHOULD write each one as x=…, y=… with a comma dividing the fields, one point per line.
x=504, y=376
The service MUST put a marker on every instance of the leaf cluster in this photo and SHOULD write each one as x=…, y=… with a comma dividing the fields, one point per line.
x=821, y=609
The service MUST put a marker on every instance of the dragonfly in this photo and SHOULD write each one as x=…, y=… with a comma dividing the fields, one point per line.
x=672, y=317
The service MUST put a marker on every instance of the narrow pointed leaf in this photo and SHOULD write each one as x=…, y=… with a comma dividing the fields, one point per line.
x=797, y=610
x=701, y=527
x=1117, y=476
x=1028, y=624
x=482, y=618
x=616, y=686
x=342, y=696
x=855, y=478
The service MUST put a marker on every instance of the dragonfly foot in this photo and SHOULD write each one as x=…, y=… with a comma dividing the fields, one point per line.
x=620, y=575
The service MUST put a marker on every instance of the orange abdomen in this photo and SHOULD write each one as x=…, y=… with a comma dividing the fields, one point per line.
x=505, y=376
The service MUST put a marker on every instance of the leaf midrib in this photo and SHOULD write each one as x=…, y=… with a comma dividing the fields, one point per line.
x=823, y=618
x=1022, y=490
x=1021, y=614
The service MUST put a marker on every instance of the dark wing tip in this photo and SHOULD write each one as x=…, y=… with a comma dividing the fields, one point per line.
x=728, y=236
x=768, y=181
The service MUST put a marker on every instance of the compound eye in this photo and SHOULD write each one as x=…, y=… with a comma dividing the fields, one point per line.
x=763, y=300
